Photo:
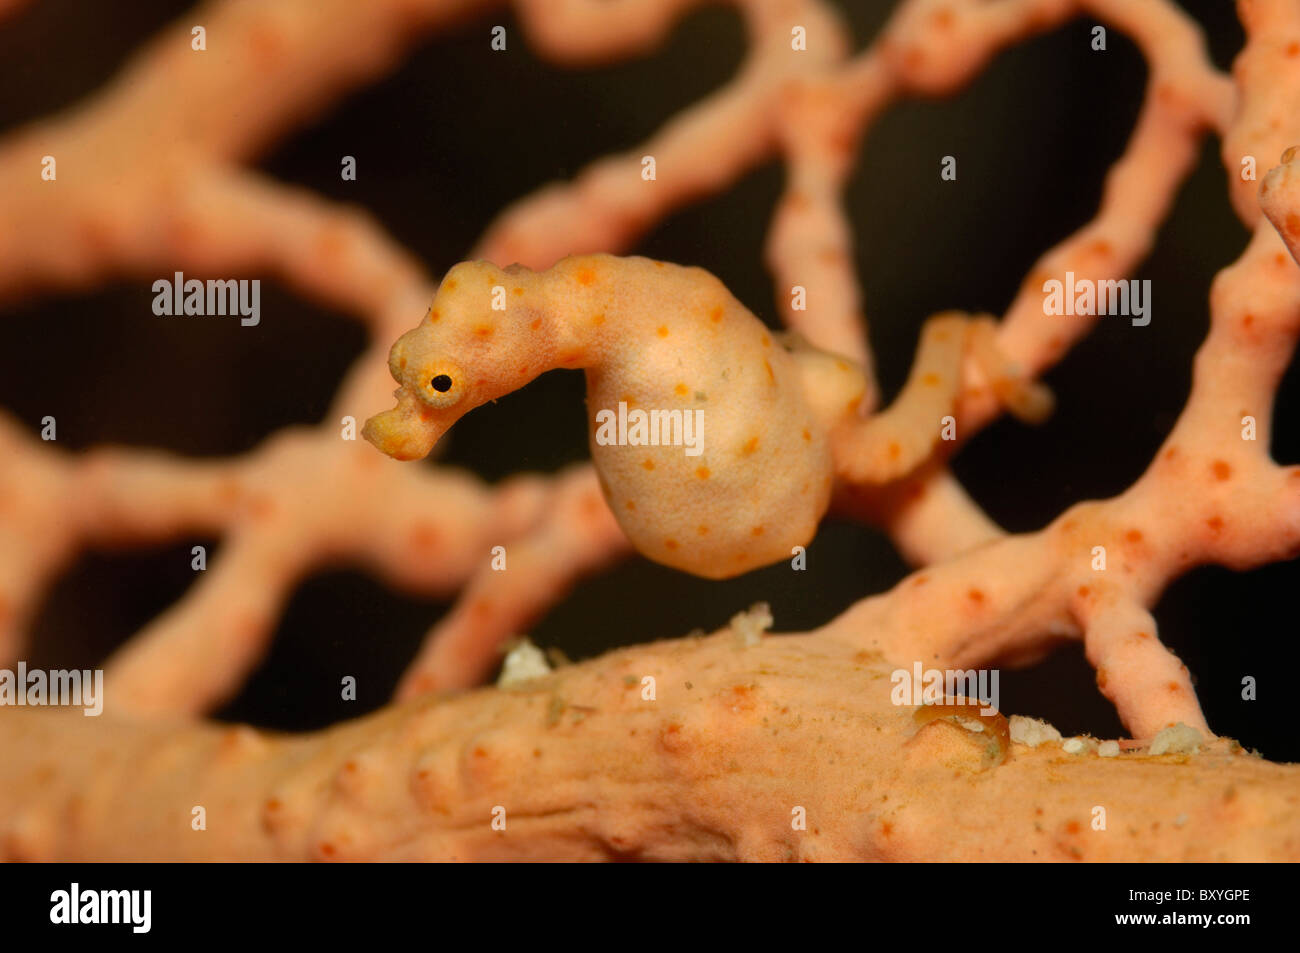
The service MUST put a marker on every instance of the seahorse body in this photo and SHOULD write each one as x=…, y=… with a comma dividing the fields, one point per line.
x=653, y=337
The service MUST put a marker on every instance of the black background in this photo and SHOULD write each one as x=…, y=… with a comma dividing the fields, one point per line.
x=1034, y=136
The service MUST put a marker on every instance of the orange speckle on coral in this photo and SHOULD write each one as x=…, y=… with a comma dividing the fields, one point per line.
x=771, y=375
x=648, y=464
x=1144, y=635
x=537, y=323
x=228, y=491
x=1247, y=320
x=1133, y=536
x=585, y=276
x=484, y=330
x=756, y=531
x=681, y=390
x=1221, y=470
x=435, y=314
x=670, y=543
x=807, y=434
x=767, y=340
x=516, y=291
x=598, y=319
x=1215, y=523
x=716, y=314
x=886, y=829
x=702, y=530
x=1084, y=592
x=749, y=446
x=327, y=849
x=702, y=473
x=975, y=595
x=424, y=536
x=1072, y=827
x=1174, y=687
x=450, y=284
x=631, y=506
x=930, y=379
x=662, y=331
x=894, y=450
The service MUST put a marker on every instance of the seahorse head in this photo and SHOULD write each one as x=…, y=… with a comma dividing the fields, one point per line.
x=478, y=341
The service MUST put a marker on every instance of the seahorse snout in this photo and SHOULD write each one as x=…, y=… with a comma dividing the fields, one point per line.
x=407, y=432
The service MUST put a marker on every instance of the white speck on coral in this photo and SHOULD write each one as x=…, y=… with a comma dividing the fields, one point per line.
x=1176, y=739
x=1031, y=731
x=1074, y=746
x=750, y=625
x=1108, y=749
x=524, y=662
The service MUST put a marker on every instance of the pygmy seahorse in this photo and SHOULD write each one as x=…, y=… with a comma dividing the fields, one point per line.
x=716, y=441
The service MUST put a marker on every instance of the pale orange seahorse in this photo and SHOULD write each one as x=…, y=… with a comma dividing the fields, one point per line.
x=717, y=442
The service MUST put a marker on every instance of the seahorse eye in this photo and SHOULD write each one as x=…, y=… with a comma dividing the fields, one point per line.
x=439, y=383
